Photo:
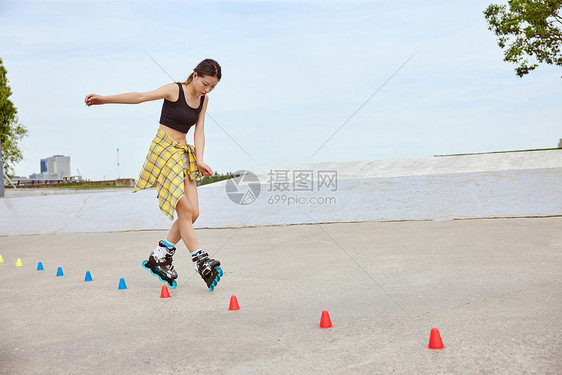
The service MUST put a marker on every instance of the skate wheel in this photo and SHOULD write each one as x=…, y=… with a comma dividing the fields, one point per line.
x=144, y=262
x=211, y=287
x=214, y=283
x=219, y=270
x=173, y=285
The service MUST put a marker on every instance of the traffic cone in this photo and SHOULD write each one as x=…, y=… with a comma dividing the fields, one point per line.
x=18, y=263
x=233, y=304
x=165, y=293
x=59, y=272
x=88, y=276
x=435, y=341
x=40, y=266
x=1, y=259
x=325, y=321
x=122, y=284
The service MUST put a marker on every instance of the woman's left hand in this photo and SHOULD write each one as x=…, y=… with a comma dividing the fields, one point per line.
x=205, y=169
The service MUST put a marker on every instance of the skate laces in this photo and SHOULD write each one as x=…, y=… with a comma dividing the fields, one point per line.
x=163, y=254
x=201, y=255
x=199, y=260
x=170, y=252
x=166, y=261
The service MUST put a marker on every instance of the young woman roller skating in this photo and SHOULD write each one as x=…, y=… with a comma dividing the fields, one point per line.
x=172, y=165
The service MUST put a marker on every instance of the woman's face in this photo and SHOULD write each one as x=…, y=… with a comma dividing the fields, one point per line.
x=204, y=84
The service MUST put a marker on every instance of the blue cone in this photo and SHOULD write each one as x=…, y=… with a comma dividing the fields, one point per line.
x=88, y=276
x=40, y=266
x=122, y=284
x=59, y=272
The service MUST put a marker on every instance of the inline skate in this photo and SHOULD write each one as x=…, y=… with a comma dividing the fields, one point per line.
x=161, y=266
x=208, y=268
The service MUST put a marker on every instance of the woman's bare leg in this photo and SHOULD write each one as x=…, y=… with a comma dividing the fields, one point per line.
x=174, y=235
x=189, y=208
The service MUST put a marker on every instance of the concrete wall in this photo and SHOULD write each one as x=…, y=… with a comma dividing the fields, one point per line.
x=483, y=186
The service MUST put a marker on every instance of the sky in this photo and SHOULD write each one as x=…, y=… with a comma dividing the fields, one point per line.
x=427, y=78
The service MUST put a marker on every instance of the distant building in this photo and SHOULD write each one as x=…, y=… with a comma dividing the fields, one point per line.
x=56, y=165
x=43, y=165
x=45, y=176
x=560, y=143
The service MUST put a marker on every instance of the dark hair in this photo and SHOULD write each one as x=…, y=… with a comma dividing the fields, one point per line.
x=207, y=67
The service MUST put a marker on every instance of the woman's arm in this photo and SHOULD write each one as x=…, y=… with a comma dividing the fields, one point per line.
x=165, y=92
x=199, y=140
x=199, y=135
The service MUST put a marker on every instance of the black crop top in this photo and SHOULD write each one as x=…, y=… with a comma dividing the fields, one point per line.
x=178, y=115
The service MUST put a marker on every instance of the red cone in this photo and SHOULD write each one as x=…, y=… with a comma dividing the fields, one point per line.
x=165, y=293
x=233, y=304
x=435, y=341
x=325, y=321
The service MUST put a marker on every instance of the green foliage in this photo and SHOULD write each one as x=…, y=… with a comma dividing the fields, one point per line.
x=11, y=132
x=215, y=178
x=528, y=29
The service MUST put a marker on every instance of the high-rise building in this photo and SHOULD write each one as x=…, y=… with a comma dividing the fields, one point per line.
x=43, y=165
x=58, y=164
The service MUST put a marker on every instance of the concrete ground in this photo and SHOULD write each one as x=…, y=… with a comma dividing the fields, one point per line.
x=492, y=287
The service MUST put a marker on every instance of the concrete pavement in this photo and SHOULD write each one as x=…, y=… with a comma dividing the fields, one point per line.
x=492, y=287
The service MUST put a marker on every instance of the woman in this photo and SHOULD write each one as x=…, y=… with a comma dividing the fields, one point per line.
x=172, y=166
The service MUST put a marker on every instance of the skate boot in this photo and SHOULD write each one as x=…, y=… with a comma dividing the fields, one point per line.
x=161, y=266
x=208, y=268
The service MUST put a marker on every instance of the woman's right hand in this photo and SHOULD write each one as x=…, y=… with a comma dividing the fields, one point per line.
x=94, y=99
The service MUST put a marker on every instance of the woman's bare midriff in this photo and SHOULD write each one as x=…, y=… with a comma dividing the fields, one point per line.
x=174, y=134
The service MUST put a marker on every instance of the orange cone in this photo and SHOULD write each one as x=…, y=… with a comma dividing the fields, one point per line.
x=325, y=321
x=233, y=304
x=165, y=293
x=435, y=341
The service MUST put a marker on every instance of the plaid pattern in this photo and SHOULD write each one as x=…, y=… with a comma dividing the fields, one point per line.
x=166, y=166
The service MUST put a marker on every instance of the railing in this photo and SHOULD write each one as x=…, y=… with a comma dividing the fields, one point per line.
x=29, y=183
x=37, y=182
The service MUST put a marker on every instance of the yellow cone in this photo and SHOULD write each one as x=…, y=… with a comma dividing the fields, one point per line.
x=1, y=259
x=18, y=263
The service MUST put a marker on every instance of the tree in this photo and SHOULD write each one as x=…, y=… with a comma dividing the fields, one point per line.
x=528, y=29
x=11, y=131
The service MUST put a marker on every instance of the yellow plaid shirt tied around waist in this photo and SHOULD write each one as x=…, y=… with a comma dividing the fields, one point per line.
x=166, y=166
